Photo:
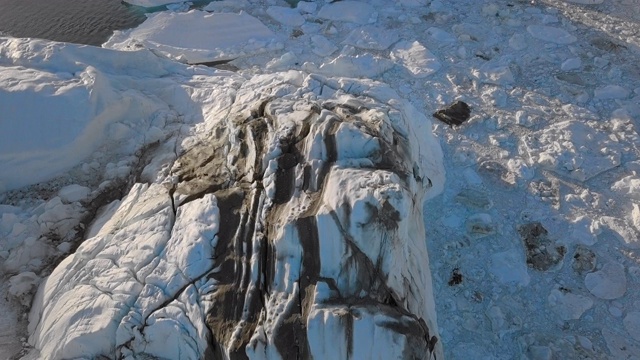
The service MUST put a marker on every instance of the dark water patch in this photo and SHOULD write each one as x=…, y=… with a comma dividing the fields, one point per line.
x=88, y=22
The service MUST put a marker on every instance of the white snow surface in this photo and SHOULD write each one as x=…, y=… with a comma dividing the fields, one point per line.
x=198, y=36
x=554, y=91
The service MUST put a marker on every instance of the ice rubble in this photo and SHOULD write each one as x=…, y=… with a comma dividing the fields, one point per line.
x=291, y=211
x=552, y=138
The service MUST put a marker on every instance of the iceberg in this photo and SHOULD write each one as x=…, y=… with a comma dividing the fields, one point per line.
x=289, y=225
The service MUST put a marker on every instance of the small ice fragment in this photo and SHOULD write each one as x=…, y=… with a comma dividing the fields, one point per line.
x=609, y=92
x=551, y=34
x=416, y=58
x=608, y=283
x=73, y=193
x=571, y=64
x=285, y=15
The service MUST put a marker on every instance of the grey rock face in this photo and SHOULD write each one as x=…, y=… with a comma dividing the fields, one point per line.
x=314, y=247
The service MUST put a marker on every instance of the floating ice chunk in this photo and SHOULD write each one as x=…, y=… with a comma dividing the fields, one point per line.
x=23, y=283
x=285, y=15
x=411, y=3
x=470, y=31
x=585, y=231
x=493, y=73
x=571, y=64
x=632, y=324
x=286, y=61
x=440, y=35
x=366, y=65
x=509, y=267
x=551, y=34
x=566, y=148
x=518, y=42
x=608, y=283
x=620, y=345
x=415, y=58
x=371, y=38
x=198, y=36
x=629, y=187
x=567, y=305
x=610, y=92
x=322, y=46
x=349, y=11
x=623, y=229
x=73, y=193
x=480, y=225
x=307, y=7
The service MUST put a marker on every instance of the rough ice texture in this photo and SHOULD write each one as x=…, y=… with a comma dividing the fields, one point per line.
x=85, y=109
x=416, y=58
x=198, y=36
x=292, y=229
x=565, y=148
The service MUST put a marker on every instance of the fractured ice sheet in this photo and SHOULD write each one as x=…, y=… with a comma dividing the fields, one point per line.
x=198, y=36
x=294, y=229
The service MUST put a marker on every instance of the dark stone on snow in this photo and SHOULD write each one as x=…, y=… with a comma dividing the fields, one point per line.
x=541, y=253
x=455, y=114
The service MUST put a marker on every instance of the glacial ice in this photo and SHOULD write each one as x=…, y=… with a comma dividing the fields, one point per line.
x=272, y=225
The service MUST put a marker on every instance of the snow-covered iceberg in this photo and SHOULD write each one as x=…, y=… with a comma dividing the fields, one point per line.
x=289, y=225
x=62, y=103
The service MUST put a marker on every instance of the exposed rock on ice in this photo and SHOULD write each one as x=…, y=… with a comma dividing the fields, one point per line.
x=198, y=36
x=294, y=229
x=608, y=283
x=551, y=34
x=416, y=58
x=349, y=11
x=454, y=114
x=542, y=254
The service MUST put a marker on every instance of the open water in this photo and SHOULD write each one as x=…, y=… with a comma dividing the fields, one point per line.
x=78, y=21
